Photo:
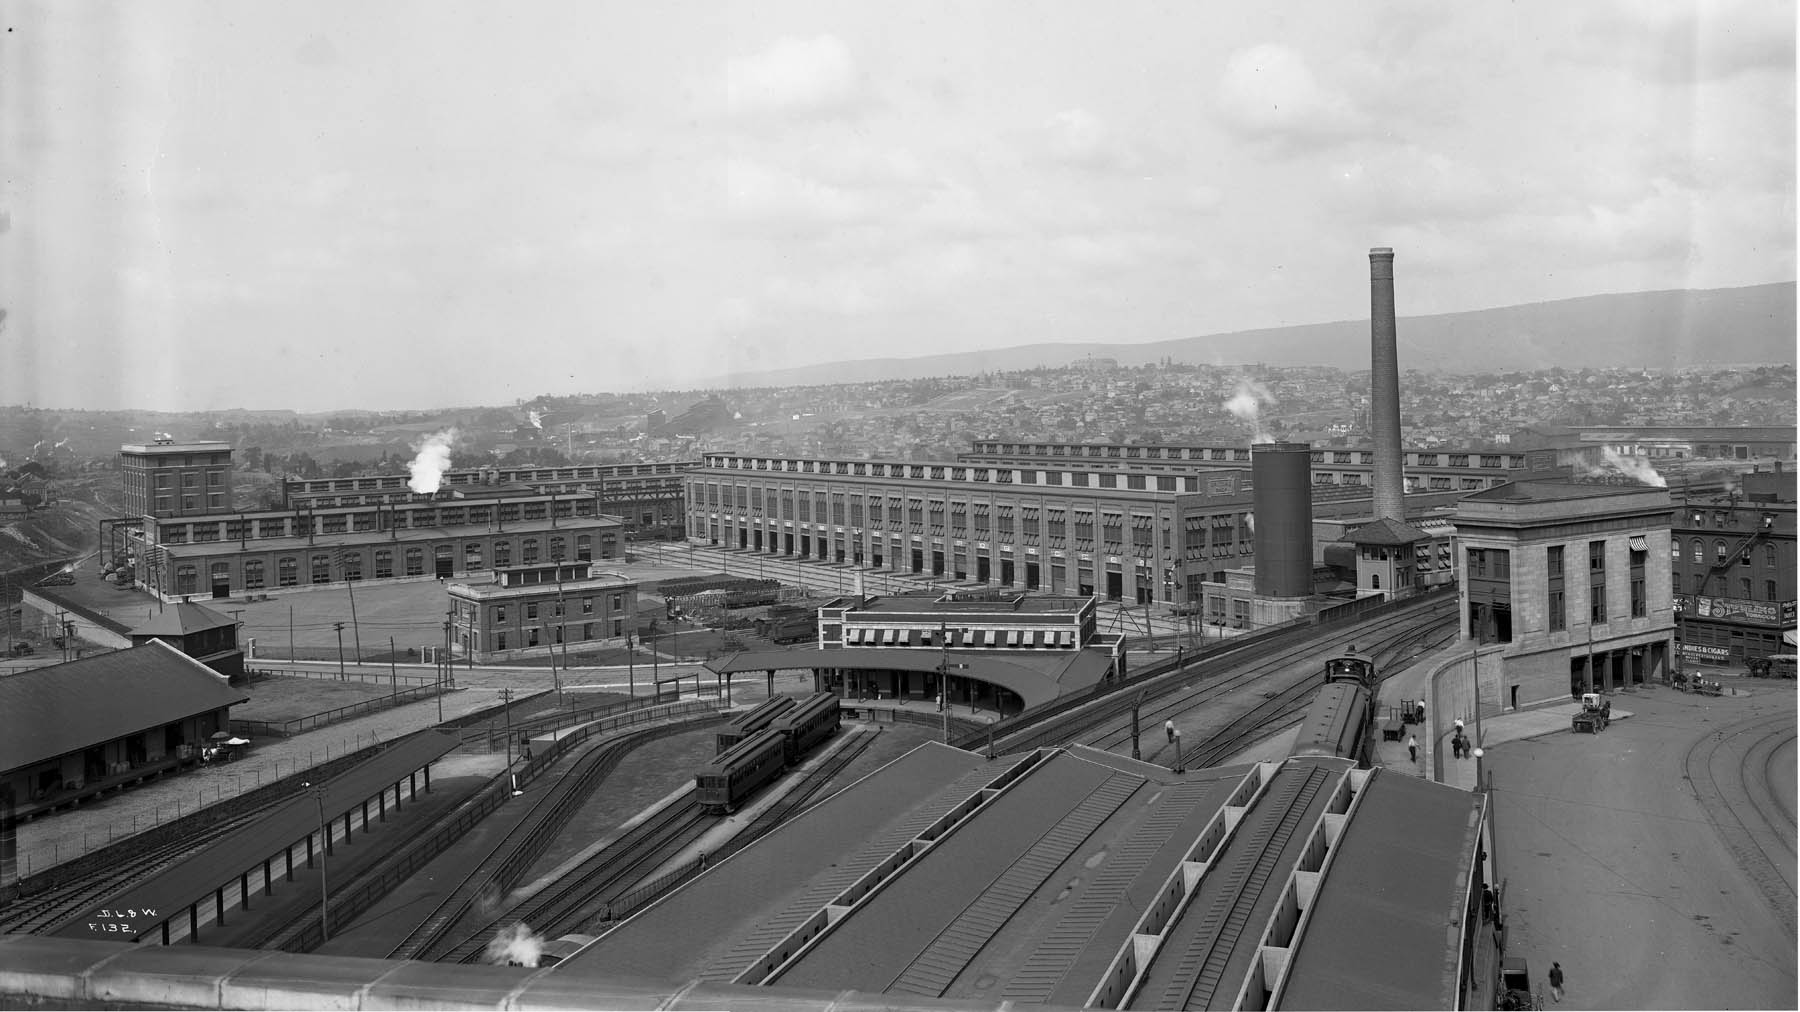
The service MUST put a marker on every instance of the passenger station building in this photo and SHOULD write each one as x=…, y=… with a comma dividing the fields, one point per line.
x=525, y=610
x=1570, y=581
x=1732, y=557
x=989, y=649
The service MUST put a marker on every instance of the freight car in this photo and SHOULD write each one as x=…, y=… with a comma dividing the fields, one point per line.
x=1337, y=723
x=1351, y=666
x=752, y=720
x=736, y=773
x=806, y=725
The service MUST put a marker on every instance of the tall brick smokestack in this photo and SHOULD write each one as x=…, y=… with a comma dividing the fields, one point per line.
x=1384, y=388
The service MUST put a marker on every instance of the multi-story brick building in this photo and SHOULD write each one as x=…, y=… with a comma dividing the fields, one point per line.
x=530, y=609
x=1130, y=537
x=1571, y=582
x=1436, y=470
x=165, y=478
x=646, y=497
x=393, y=535
x=1732, y=561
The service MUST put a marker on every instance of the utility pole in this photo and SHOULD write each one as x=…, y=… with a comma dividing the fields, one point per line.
x=449, y=656
x=506, y=704
x=339, y=626
x=393, y=672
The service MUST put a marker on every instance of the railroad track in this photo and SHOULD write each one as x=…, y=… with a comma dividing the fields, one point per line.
x=1092, y=721
x=590, y=890
x=514, y=853
x=1728, y=771
x=1106, y=725
x=585, y=890
x=1289, y=707
x=49, y=910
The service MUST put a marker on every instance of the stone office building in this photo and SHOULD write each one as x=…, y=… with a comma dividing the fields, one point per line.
x=1569, y=584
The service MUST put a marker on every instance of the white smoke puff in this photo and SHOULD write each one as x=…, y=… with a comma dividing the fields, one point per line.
x=1246, y=405
x=515, y=946
x=1250, y=522
x=1633, y=467
x=537, y=420
x=60, y=444
x=431, y=461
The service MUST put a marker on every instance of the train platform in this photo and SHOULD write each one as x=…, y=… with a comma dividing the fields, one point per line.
x=55, y=839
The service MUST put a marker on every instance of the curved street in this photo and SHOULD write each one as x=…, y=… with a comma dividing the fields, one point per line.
x=1656, y=860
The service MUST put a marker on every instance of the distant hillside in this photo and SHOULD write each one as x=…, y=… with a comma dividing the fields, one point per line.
x=1652, y=329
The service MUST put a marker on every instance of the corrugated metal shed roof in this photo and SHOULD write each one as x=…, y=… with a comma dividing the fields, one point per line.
x=63, y=708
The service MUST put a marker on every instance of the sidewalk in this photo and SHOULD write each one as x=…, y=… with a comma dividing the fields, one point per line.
x=1435, y=760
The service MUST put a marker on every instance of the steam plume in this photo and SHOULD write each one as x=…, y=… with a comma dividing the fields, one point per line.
x=515, y=946
x=1245, y=405
x=537, y=420
x=1632, y=467
x=432, y=461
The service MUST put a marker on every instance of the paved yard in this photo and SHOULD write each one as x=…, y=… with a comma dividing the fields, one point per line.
x=286, y=698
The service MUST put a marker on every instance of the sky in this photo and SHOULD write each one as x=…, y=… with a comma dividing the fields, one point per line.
x=399, y=205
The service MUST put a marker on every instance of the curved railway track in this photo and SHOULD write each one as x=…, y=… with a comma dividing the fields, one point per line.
x=1105, y=722
x=590, y=890
x=1391, y=641
x=514, y=853
x=1729, y=772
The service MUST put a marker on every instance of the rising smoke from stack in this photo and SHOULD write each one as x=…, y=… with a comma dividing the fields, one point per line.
x=1631, y=467
x=1245, y=405
x=537, y=420
x=515, y=946
x=431, y=461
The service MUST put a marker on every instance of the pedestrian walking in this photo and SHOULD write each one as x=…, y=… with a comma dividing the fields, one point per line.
x=1458, y=725
x=1456, y=746
x=1169, y=730
x=1556, y=981
x=1412, y=746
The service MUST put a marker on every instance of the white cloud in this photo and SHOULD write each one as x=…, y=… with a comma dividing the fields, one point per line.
x=1078, y=138
x=1681, y=42
x=814, y=77
x=770, y=198
x=1268, y=93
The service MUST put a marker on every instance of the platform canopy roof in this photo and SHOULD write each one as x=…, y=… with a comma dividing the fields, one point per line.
x=1036, y=676
x=181, y=620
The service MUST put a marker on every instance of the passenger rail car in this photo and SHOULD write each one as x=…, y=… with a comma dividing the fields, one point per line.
x=736, y=773
x=808, y=724
x=1350, y=666
x=1337, y=723
x=751, y=721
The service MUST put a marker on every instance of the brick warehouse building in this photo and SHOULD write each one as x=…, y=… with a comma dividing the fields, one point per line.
x=1571, y=580
x=1733, y=571
x=395, y=536
x=1135, y=538
x=165, y=478
x=1437, y=470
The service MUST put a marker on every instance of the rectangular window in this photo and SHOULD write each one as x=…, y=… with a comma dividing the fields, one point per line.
x=531, y=610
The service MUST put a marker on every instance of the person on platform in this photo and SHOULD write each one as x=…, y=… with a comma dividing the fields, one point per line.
x=1412, y=746
x=1556, y=981
x=1169, y=730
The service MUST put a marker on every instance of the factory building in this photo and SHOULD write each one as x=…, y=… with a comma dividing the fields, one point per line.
x=1135, y=538
x=396, y=534
x=1732, y=561
x=166, y=478
x=646, y=497
x=1435, y=470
